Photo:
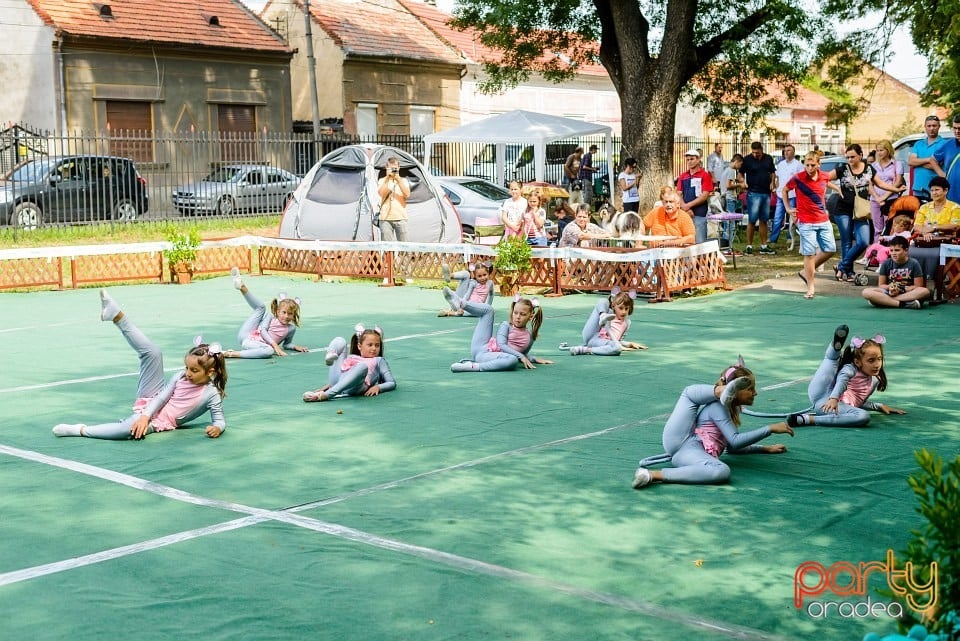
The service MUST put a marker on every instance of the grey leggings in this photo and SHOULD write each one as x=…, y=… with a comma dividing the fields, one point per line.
x=591, y=332
x=150, y=384
x=253, y=347
x=691, y=463
x=349, y=383
x=487, y=361
x=819, y=392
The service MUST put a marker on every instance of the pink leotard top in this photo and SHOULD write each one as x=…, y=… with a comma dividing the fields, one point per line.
x=350, y=361
x=276, y=329
x=479, y=293
x=859, y=388
x=712, y=438
x=518, y=339
x=617, y=329
x=184, y=398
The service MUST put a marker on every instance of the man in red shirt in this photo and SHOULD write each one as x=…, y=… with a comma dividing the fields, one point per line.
x=695, y=186
x=817, y=243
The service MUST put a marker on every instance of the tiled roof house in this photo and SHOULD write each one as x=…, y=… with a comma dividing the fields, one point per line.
x=210, y=65
x=378, y=68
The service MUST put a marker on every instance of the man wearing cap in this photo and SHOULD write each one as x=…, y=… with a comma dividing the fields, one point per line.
x=761, y=177
x=695, y=186
x=926, y=159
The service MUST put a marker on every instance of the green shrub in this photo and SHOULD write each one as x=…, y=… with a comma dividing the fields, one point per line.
x=513, y=254
x=937, y=488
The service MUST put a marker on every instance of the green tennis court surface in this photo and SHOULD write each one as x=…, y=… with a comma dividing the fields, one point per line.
x=461, y=506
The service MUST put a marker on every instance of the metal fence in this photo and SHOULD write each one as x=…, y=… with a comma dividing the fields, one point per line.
x=93, y=190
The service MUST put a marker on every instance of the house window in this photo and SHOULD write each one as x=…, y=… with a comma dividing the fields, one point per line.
x=367, y=120
x=238, y=132
x=422, y=121
x=131, y=129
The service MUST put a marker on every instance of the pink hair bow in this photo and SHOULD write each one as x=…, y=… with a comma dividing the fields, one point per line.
x=858, y=342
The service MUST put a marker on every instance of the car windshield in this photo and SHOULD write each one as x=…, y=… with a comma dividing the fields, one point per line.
x=29, y=172
x=487, y=190
x=224, y=175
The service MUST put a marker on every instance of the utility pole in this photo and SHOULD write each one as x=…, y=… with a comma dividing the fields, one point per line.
x=312, y=70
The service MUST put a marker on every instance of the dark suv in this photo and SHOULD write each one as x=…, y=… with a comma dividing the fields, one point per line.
x=72, y=189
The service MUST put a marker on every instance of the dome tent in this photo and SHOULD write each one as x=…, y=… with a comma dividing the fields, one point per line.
x=337, y=199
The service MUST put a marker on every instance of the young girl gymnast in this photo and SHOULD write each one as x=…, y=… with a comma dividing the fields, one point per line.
x=189, y=394
x=702, y=427
x=266, y=333
x=475, y=286
x=512, y=343
x=362, y=371
x=843, y=383
x=608, y=323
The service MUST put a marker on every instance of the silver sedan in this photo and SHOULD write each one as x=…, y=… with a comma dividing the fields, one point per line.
x=235, y=188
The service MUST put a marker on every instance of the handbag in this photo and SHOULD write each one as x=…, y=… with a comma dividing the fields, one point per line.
x=861, y=207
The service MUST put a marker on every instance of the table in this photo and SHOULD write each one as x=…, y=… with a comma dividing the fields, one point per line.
x=948, y=272
x=726, y=219
x=627, y=243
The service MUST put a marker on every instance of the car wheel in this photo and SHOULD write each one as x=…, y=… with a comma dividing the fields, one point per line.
x=27, y=216
x=125, y=210
x=225, y=206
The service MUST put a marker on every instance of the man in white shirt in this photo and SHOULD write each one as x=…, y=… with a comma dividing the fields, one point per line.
x=787, y=168
x=715, y=166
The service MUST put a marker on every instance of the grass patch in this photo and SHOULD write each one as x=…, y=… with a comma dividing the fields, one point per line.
x=137, y=232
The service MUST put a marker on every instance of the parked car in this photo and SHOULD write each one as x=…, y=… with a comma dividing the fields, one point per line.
x=476, y=198
x=235, y=188
x=72, y=189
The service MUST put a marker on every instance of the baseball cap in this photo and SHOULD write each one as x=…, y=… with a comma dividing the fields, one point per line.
x=692, y=152
x=594, y=148
x=932, y=118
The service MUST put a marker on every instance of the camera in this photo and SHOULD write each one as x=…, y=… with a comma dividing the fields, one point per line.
x=393, y=170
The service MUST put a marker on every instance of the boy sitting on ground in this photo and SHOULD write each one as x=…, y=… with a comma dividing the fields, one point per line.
x=901, y=279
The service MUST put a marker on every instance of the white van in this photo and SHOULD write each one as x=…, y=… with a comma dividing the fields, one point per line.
x=519, y=162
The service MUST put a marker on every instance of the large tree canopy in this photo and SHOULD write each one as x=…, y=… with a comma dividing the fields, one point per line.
x=723, y=56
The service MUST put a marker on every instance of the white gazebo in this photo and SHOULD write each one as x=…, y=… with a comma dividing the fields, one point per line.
x=523, y=128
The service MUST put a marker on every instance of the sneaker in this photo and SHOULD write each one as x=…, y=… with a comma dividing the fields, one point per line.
x=452, y=299
x=641, y=478
x=108, y=307
x=464, y=366
x=606, y=319
x=863, y=261
x=235, y=274
x=68, y=429
x=564, y=346
x=330, y=358
x=748, y=250
x=914, y=304
x=445, y=271
x=767, y=250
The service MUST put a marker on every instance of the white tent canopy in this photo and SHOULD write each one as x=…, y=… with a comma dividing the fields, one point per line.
x=523, y=128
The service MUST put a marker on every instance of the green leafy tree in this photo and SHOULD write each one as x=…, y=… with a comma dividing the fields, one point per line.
x=723, y=56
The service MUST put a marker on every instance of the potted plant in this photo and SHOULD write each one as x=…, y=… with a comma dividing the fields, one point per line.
x=182, y=253
x=513, y=258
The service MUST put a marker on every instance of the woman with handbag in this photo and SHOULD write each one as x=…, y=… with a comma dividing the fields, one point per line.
x=853, y=211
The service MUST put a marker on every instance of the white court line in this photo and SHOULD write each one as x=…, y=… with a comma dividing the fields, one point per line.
x=36, y=327
x=358, y=536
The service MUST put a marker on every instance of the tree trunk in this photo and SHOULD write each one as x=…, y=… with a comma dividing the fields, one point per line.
x=648, y=137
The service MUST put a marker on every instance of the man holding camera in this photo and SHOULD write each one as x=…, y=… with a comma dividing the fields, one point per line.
x=394, y=191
